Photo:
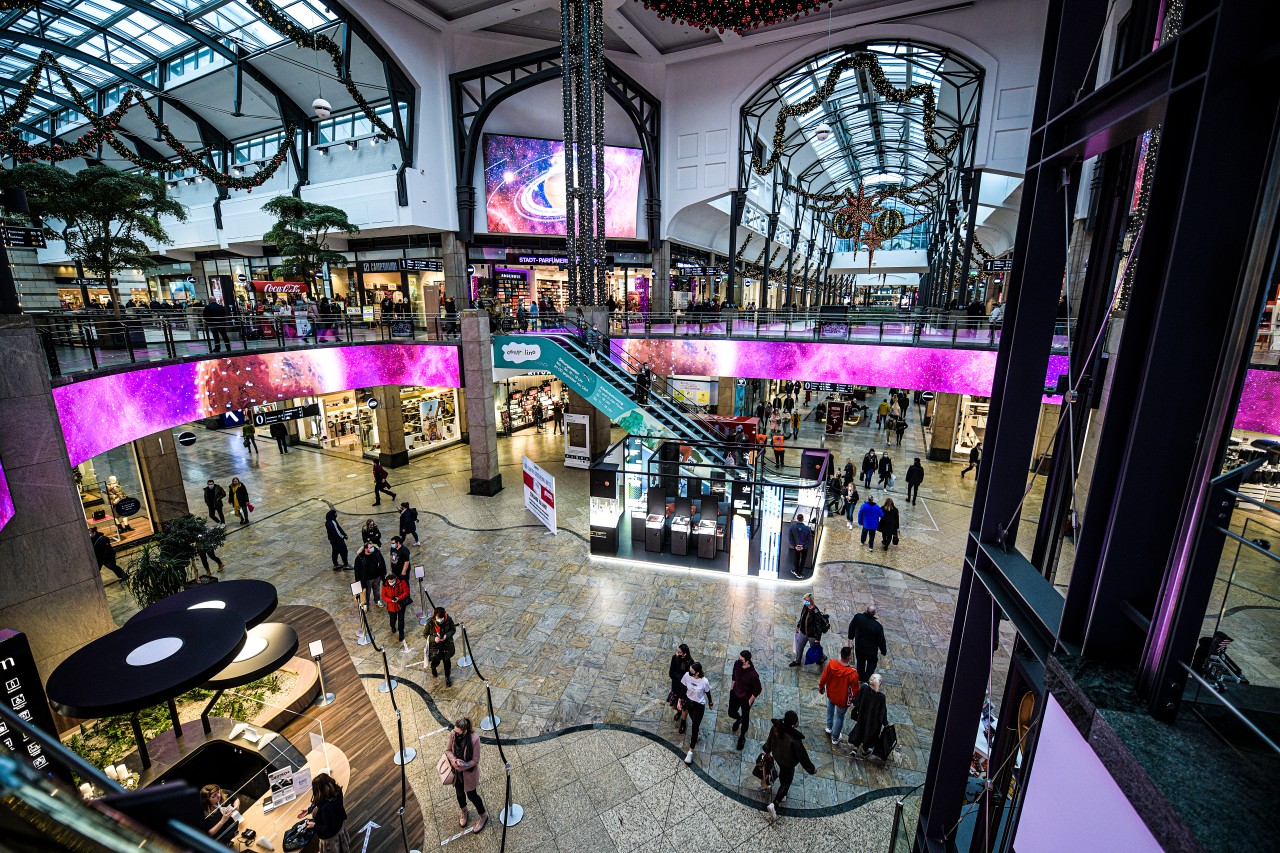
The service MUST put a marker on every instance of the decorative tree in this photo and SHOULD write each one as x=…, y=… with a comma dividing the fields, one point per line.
x=301, y=235
x=159, y=568
x=105, y=216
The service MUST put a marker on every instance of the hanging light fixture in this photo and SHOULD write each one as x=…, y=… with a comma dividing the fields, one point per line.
x=823, y=133
x=322, y=108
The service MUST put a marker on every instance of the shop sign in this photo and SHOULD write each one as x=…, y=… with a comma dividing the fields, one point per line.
x=539, y=493
x=21, y=237
x=366, y=313
x=279, y=416
x=422, y=264
x=502, y=274
x=279, y=286
x=356, y=311
x=534, y=260
x=24, y=695
x=998, y=264
x=127, y=507
x=186, y=438
x=372, y=403
x=86, y=282
x=687, y=391
x=835, y=387
x=380, y=266
x=835, y=420
x=241, y=277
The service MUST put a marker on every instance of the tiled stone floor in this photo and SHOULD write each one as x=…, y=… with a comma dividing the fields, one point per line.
x=566, y=641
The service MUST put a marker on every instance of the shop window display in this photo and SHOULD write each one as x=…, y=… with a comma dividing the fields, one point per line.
x=514, y=400
x=972, y=426
x=111, y=493
x=430, y=417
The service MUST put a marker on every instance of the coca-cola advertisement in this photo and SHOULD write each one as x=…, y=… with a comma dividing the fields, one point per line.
x=279, y=286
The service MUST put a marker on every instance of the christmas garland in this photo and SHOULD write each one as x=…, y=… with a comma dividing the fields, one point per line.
x=14, y=113
x=273, y=17
x=738, y=17
x=884, y=88
x=103, y=131
x=12, y=5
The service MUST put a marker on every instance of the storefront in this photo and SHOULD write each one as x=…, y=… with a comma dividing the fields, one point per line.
x=509, y=276
x=971, y=425
x=112, y=495
x=413, y=283
x=345, y=423
x=514, y=398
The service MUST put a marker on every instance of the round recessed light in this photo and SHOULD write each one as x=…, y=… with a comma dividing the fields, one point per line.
x=154, y=651
x=253, y=647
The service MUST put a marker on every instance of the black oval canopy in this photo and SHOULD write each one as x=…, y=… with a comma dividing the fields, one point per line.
x=251, y=600
x=265, y=650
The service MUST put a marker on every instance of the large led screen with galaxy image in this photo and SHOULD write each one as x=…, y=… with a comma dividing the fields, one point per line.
x=524, y=186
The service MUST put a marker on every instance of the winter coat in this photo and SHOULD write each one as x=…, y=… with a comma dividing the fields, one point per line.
x=889, y=522
x=408, y=520
x=869, y=516
x=869, y=463
x=369, y=567
x=872, y=718
x=915, y=474
x=836, y=680
x=440, y=637
x=395, y=592
x=371, y=534
x=471, y=773
x=746, y=682
x=809, y=623
x=867, y=634
x=332, y=528
x=786, y=745
x=379, y=474
x=239, y=495
x=214, y=495
x=886, y=466
x=675, y=671
x=102, y=550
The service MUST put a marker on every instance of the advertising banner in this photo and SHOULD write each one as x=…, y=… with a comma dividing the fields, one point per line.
x=835, y=419
x=539, y=493
x=577, y=441
x=279, y=286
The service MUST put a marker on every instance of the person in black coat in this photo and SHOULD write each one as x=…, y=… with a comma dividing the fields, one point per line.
x=408, y=522
x=869, y=464
x=867, y=635
x=675, y=671
x=213, y=498
x=786, y=744
x=889, y=524
x=215, y=321
x=370, y=569
x=915, y=476
x=872, y=718
x=104, y=553
x=337, y=539
x=975, y=456
x=886, y=470
x=280, y=433
x=327, y=815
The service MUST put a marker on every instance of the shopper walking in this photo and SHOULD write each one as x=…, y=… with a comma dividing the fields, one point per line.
x=281, y=434
x=869, y=464
x=696, y=702
x=795, y=424
x=867, y=635
x=915, y=476
x=213, y=497
x=889, y=524
x=975, y=456
x=557, y=416
x=439, y=633
x=327, y=816
x=867, y=737
x=380, y=483
x=810, y=627
x=370, y=569
x=900, y=429
x=882, y=412
x=408, y=523
x=869, y=516
x=105, y=554
x=886, y=471
x=839, y=681
x=744, y=689
x=463, y=753
x=785, y=745
x=675, y=673
x=800, y=537
x=850, y=504
x=779, y=450
x=396, y=598
x=249, y=436
x=240, y=500
x=370, y=533
x=206, y=553
x=337, y=540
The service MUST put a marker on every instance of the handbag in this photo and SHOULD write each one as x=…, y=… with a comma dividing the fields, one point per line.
x=814, y=655
x=298, y=836
x=888, y=742
x=445, y=768
x=250, y=507
x=672, y=699
x=766, y=770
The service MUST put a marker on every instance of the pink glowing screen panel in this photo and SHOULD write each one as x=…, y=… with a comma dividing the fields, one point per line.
x=524, y=186
x=6, y=500
x=107, y=411
x=1260, y=402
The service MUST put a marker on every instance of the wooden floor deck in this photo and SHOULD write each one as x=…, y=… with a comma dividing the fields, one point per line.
x=352, y=725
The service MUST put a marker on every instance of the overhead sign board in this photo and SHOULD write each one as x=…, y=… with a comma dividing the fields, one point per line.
x=22, y=237
x=545, y=260
x=279, y=416
x=422, y=264
x=835, y=387
x=997, y=265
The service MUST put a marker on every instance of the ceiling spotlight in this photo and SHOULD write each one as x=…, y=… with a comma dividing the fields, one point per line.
x=351, y=143
x=378, y=138
x=823, y=133
x=190, y=181
x=237, y=170
x=322, y=108
x=200, y=179
x=322, y=149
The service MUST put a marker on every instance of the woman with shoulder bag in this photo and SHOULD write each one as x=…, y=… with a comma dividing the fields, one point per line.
x=696, y=702
x=889, y=523
x=327, y=815
x=464, y=757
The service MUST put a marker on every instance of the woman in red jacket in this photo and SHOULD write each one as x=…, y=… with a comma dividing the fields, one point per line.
x=395, y=592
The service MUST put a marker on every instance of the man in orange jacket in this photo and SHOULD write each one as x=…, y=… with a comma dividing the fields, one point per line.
x=839, y=681
x=395, y=592
x=779, y=453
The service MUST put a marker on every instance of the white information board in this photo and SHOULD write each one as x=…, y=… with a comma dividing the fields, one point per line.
x=539, y=493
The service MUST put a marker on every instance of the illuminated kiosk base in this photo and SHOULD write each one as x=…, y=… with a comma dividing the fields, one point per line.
x=633, y=551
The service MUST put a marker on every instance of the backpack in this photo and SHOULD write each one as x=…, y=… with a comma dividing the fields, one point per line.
x=824, y=623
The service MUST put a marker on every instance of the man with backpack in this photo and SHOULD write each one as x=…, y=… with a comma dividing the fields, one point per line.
x=813, y=623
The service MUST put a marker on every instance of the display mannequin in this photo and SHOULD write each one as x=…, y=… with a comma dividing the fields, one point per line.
x=115, y=494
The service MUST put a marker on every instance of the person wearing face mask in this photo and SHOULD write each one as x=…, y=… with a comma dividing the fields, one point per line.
x=399, y=557
x=675, y=671
x=395, y=594
x=213, y=497
x=370, y=569
x=809, y=629
x=439, y=633
x=744, y=690
x=337, y=539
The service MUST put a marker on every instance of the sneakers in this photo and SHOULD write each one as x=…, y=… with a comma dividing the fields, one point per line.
x=773, y=812
x=827, y=729
x=688, y=758
x=835, y=741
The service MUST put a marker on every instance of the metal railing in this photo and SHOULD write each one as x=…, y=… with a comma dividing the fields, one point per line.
x=906, y=817
x=86, y=341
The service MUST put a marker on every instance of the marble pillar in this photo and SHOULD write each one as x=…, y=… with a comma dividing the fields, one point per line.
x=456, y=281
x=389, y=419
x=162, y=476
x=50, y=585
x=660, y=287
x=724, y=395
x=1050, y=414
x=477, y=388
x=946, y=415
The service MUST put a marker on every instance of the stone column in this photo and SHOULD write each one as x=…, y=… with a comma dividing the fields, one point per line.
x=389, y=419
x=724, y=395
x=600, y=426
x=161, y=477
x=946, y=414
x=456, y=281
x=51, y=593
x=1049, y=417
x=660, y=287
x=477, y=387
